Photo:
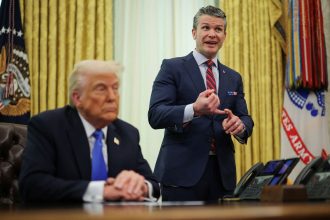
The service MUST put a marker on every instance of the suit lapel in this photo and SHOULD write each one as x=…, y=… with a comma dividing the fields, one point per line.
x=194, y=73
x=79, y=143
x=222, y=82
x=111, y=141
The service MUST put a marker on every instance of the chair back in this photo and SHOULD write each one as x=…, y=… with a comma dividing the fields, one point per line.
x=12, y=143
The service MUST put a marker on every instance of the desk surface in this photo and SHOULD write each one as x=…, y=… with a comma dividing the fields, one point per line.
x=192, y=212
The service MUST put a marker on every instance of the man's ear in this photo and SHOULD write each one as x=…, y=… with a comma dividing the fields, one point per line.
x=75, y=96
x=193, y=32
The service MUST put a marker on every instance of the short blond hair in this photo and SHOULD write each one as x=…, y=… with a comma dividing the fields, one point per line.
x=86, y=67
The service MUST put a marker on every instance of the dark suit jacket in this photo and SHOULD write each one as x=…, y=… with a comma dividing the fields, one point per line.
x=184, y=150
x=56, y=161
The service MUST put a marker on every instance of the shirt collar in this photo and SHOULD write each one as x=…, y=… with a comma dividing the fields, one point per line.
x=90, y=128
x=201, y=59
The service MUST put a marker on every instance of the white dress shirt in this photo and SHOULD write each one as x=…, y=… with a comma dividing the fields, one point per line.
x=201, y=59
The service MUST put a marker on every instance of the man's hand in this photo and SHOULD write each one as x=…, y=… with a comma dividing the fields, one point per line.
x=232, y=124
x=128, y=185
x=1, y=105
x=207, y=103
x=110, y=192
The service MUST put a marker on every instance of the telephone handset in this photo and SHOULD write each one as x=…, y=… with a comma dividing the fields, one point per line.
x=274, y=172
x=247, y=178
x=307, y=172
x=316, y=177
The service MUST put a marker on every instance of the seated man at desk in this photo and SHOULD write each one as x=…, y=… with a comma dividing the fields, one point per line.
x=83, y=152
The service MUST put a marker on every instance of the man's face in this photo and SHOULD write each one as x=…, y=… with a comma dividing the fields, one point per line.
x=98, y=98
x=209, y=35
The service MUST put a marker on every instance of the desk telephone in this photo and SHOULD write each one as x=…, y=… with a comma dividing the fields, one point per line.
x=274, y=172
x=316, y=177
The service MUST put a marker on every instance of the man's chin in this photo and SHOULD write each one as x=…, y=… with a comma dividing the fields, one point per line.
x=112, y=118
x=212, y=49
x=211, y=53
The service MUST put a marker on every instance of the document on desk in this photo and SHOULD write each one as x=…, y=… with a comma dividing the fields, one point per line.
x=97, y=208
x=160, y=204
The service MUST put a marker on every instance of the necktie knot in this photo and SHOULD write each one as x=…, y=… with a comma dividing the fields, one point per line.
x=209, y=63
x=98, y=134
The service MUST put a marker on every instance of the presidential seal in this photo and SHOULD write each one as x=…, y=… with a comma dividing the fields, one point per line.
x=14, y=82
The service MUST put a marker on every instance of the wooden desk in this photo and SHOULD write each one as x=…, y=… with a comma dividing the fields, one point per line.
x=223, y=211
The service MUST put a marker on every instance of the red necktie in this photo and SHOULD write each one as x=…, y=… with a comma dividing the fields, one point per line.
x=210, y=81
x=211, y=84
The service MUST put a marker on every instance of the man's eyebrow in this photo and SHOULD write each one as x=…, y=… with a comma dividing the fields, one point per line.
x=100, y=83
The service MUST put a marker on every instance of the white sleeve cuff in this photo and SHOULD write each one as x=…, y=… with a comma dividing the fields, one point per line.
x=150, y=191
x=188, y=114
x=240, y=137
x=94, y=192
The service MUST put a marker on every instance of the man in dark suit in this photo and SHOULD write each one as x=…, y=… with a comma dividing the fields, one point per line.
x=200, y=103
x=61, y=161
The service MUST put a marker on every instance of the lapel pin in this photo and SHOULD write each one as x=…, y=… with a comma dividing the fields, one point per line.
x=116, y=141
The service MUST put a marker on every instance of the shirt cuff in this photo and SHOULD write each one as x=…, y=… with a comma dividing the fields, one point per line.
x=188, y=114
x=94, y=192
x=150, y=191
x=240, y=137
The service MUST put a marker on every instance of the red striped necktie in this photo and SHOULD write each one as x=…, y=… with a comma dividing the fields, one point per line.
x=211, y=84
x=210, y=81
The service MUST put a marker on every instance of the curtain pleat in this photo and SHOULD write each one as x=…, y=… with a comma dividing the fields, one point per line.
x=108, y=30
x=59, y=33
x=42, y=45
x=34, y=57
x=52, y=41
x=63, y=54
x=99, y=30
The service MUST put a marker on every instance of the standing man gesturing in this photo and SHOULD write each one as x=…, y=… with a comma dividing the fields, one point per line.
x=200, y=103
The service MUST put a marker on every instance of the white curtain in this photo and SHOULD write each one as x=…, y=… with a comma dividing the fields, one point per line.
x=146, y=32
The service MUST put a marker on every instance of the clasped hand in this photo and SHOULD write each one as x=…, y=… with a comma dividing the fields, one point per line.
x=207, y=103
x=128, y=185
